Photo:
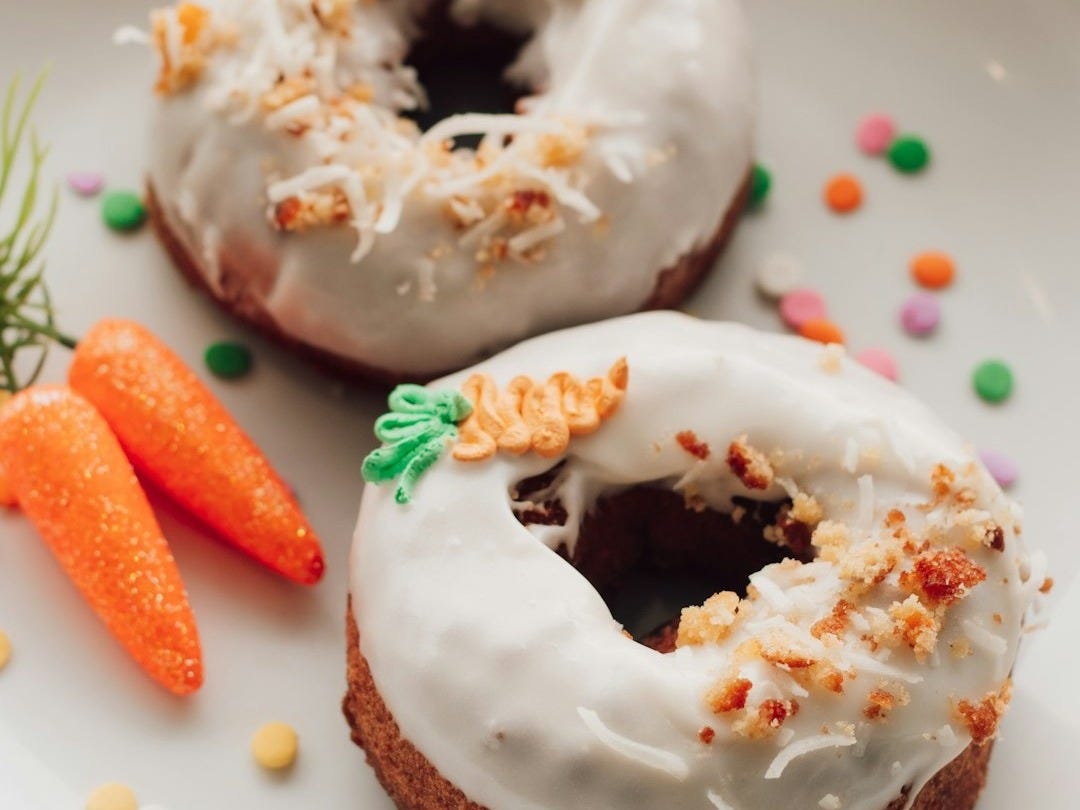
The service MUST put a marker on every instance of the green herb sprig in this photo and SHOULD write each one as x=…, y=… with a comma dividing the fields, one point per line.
x=26, y=312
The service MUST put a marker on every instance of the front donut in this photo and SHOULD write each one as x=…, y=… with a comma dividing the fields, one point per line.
x=871, y=582
x=288, y=177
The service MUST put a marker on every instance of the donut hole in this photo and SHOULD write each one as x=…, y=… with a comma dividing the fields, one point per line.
x=463, y=69
x=649, y=555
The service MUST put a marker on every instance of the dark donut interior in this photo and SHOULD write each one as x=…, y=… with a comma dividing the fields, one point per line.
x=462, y=69
x=649, y=554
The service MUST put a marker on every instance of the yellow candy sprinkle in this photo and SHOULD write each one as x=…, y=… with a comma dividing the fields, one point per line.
x=5, y=649
x=275, y=746
x=113, y=796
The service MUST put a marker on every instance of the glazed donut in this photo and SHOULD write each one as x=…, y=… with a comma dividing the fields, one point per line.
x=285, y=178
x=864, y=665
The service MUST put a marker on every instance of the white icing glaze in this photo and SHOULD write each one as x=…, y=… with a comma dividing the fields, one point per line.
x=664, y=88
x=505, y=668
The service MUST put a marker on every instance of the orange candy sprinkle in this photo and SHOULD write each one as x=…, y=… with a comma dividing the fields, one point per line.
x=822, y=330
x=177, y=433
x=933, y=270
x=70, y=477
x=843, y=193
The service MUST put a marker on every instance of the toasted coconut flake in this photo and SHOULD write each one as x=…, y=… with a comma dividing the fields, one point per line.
x=749, y=465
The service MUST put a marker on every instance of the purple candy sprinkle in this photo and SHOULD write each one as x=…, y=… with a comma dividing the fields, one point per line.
x=1003, y=469
x=920, y=314
x=86, y=184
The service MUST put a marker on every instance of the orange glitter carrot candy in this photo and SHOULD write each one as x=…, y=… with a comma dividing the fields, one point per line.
x=178, y=435
x=62, y=465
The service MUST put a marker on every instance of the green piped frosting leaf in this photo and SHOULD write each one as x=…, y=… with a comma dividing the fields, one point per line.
x=420, y=426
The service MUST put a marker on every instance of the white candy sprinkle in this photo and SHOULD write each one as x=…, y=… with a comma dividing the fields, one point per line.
x=830, y=802
x=777, y=275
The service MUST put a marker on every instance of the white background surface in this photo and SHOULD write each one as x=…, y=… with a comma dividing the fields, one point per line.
x=1002, y=196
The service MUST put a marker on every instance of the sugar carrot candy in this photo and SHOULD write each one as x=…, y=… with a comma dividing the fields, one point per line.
x=179, y=436
x=63, y=467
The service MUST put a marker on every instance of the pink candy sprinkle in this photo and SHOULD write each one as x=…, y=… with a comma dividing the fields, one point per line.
x=920, y=314
x=801, y=306
x=881, y=361
x=1002, y=468
x=875, y=134
x=85, y=184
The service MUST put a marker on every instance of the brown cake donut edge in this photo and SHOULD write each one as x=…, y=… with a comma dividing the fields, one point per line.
x=415, y=784
x=673, y=285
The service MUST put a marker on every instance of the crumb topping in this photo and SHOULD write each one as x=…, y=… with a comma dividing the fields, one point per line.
x=981, y=717
x=806, y=509
x=728, y=695
x=898, y=581
x=828, y=677
x=831, y=540
x=960, y=648
x=784, y=652
x=869, y=563
x=711, y=623
x=767, y=719
x=689, y=442
x=883, y=699
x=943, y=576
x=749, y=465
x=184, y=40
x=836, y=623
x=312, y=209
x=916, y=625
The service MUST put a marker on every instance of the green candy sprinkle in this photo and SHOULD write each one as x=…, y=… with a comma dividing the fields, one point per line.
x=760, y=183
x=123, y=210
x=993, y=381
x=228, y=360
x=909, y=154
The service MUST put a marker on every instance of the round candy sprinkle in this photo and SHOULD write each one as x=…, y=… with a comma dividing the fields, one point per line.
x=777, y=275
x=822, y=330
x=5, y=649
x=874, y=134
x=993, y=381
x=843, y=193
x=86, y=184
x=909, y=154
x=229, y=360
x=933, y=270
x=881, y=361
x=275, y=746
x=1002, y=468
x=800, y=306
x=123, y=210
x=760, y=183
x=113, y=796
x=920, y=314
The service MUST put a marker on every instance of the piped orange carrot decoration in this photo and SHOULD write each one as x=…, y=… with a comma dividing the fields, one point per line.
x=177, y=434
x=63, y=467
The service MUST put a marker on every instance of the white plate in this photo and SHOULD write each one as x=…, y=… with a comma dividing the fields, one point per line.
x=992, y=85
